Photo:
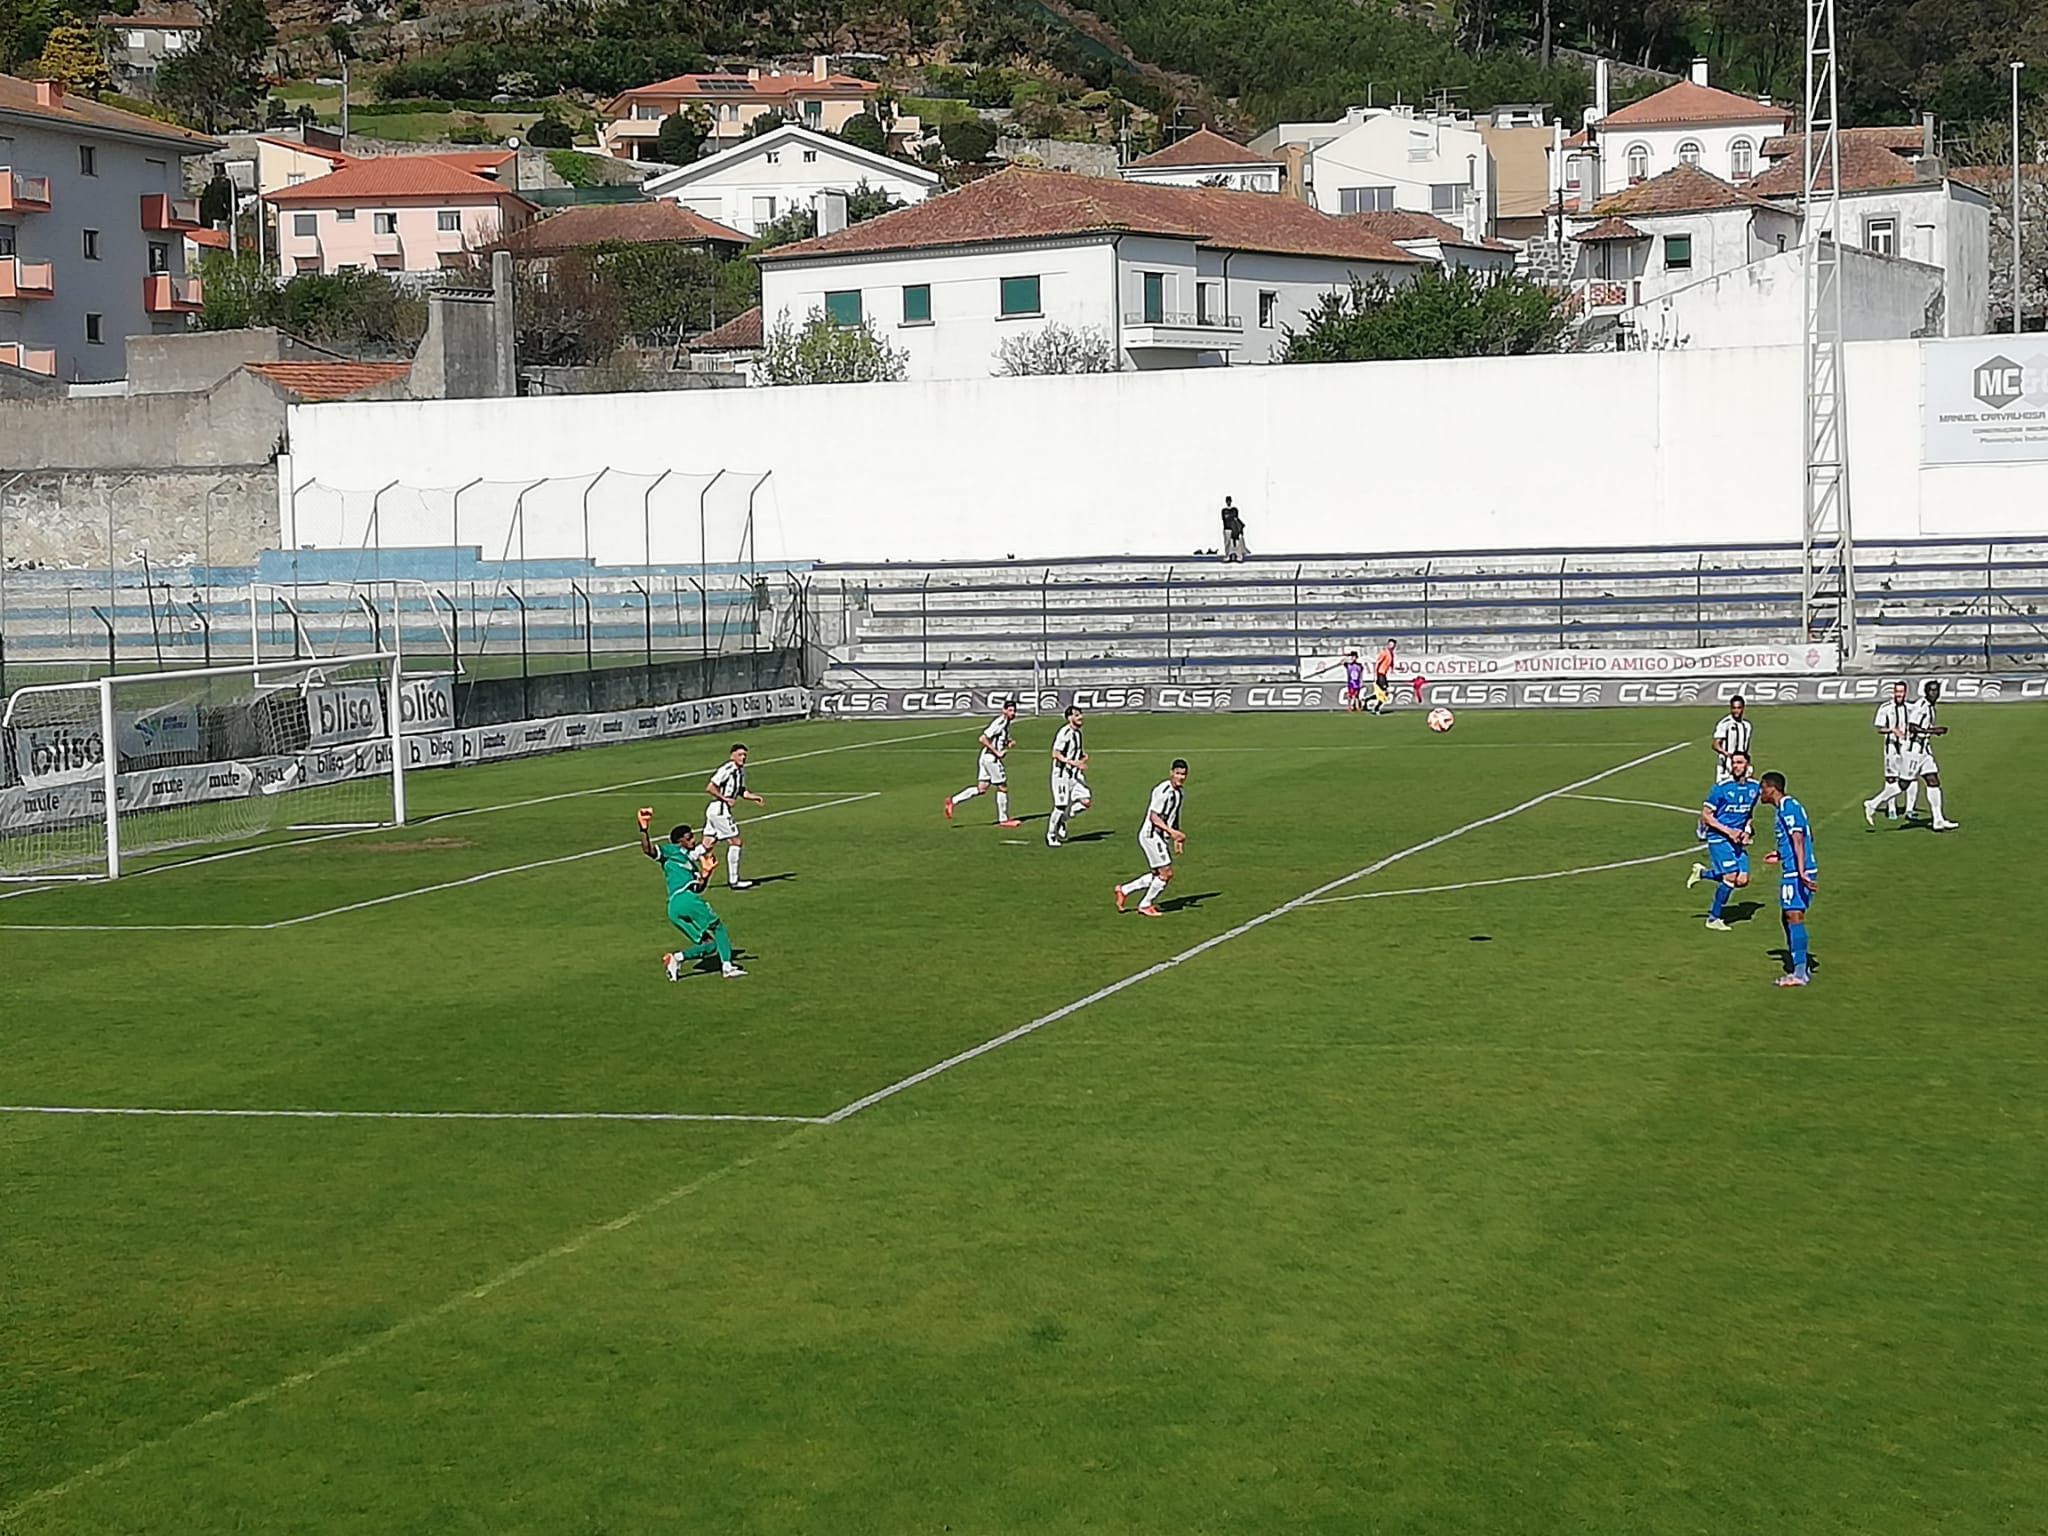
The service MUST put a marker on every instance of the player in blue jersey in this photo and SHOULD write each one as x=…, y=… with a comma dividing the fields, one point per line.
x=1797, y=876
x=1724, y=823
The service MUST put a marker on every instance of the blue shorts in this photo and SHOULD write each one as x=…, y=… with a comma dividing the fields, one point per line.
x=1794, y=897
x=1724, y=858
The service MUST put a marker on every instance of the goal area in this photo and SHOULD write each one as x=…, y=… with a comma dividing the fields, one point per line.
x=93, y=775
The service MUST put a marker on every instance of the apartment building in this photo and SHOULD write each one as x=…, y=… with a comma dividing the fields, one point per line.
x=397, y=213
x=820, y=100
x=92, y=223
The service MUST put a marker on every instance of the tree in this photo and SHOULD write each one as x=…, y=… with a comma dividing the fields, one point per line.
x=1056, y=348
x=550, y=133
x=865, y=131
x=680, y=138
x=217, y=202
x=969, y=140
x=340, y=43
x=24, y=28
x=220, y=78
x=1459, y=314
x=822, y=351
x=766, y=122
x=72, y=55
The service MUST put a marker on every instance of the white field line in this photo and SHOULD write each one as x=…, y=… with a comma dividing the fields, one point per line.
x=661, y=1202
x=383, y=901
x=1689, y=850
x=868, y=1101
x=402, y=1114
x=1653, y=805
x=486, y=810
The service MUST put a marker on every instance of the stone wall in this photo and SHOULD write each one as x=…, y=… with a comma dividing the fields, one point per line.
x=239, y=421
x=177, y=517
x=1059, y=155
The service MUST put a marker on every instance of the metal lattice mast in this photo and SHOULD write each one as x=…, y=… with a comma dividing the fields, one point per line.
x=1827, y=544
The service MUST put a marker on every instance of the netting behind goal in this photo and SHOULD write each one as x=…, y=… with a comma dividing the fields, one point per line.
x=199, y=759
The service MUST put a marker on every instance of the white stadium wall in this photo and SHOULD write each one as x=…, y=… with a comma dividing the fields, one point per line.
x=1577, y=452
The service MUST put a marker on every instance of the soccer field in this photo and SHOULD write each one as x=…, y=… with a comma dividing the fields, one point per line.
x=1483, y=1191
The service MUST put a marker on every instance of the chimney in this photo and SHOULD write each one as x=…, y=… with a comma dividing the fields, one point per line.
x=753, y=72
x=1699, y=71
x=820, y=66
x=1929, y=147
x=1589, y=177
x=1600, y=86
x=50, y=93
x=831, y=212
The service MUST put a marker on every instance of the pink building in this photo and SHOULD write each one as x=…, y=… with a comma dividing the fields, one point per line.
x=396, y=213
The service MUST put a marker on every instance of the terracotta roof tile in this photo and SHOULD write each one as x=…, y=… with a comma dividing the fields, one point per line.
x=477, y=162
x=176, y=18
x=1202, y=147
x=741, y=333
x=1397, y=224
x=390, y=176
x=1865, y=166
x=332, y=156
x=83, y=112
x=707, y=87
x=211, y=239
x=1019, y=204
x=1905, y=140
x=1611, y=229
x=1682, y=189
x=1678, y=105
x=329, y=381
x=656, y=223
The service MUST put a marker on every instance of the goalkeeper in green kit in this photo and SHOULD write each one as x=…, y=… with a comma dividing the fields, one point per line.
x=685, y=866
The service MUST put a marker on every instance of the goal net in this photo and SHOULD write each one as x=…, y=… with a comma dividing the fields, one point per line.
x=95, y=774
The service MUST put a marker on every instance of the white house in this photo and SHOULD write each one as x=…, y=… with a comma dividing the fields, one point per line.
x=1689, y=123
x=757, y=181
x=1669, y=233
x=1897, y=202
x=1206, y=159
x=1398, y=159
x=1172, y=277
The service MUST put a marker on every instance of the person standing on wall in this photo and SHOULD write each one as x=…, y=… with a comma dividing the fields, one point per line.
x=1233, y=532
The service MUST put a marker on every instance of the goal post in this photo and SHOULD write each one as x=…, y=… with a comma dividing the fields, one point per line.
x=95, y=774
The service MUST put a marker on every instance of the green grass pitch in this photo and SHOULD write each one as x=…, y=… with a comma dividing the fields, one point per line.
x=1520, y=1207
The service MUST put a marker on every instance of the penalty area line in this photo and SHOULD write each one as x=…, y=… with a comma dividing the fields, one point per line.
x=1689, y=850
x=1101, y=994
x=650, y=1116
x=1652, y=805
x=384, y=901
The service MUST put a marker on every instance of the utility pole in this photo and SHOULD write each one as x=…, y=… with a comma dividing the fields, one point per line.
x=2017, y=66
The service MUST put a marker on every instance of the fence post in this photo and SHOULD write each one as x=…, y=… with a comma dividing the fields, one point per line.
x=924, y=632
x=1427, y=567
x=646, y=625
x=1297, y=619
x=1990, y=598
x=112, y=666
x=1170, y=675
x=1699, y=602
x=1045, y=618
x=525, y=676
x=589, y=662
x=205, y=633
x=1560, y=600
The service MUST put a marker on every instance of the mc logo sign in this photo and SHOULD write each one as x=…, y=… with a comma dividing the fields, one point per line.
x=1998, y=382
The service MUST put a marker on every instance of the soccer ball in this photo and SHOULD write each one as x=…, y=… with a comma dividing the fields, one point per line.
x=1441, y=719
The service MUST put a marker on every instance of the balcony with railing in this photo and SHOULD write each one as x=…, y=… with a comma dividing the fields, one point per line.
x=163, y=212
x=15, y=354
x=22, y=193
x=26, y=279
x=164, y=294
x=1166, y=331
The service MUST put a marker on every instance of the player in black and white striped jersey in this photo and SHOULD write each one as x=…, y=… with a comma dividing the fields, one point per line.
x=1160, y=839
x=1894, y=723
x=989, y=772
x=1918, y=766
x=1731, y=736
x=1069, y=778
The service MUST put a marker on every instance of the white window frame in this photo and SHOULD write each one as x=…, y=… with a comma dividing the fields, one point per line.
x=1375, y=199
x=1741, y=160
x=1691, y=152
x=1881, y=235
x=448, y=221
x=305, y=226
x=384, y=223
x=1447, y=197
x=1638, y=162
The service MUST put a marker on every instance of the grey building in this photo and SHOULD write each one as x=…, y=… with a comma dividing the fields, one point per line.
x=92, y=231
x=137, y=46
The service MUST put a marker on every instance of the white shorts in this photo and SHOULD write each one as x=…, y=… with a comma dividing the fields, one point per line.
x=719, y=823
x=1069, y=792
x=1915, y=764
x=1722, y=775
x=1150, y=843
x=991, y=770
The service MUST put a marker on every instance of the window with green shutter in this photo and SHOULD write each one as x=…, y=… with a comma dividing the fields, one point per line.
x=843, y=308
x=1020, y=296
x=1678, y=252
x=917, y=304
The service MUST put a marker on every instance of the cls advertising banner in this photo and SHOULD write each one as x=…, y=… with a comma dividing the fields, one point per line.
x=1983, y=400
x=1281, y=698
x=1743, y=660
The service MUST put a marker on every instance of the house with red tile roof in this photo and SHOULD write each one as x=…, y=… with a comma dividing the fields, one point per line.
x=749, y=185
x=1426, y=235
x=1205, y=158
x=395, y=213
x=1170, y=277
x=1402, y=160
x=820, y=98
x=1689, y=123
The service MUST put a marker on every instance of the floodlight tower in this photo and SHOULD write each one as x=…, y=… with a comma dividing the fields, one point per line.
x=1827, y=544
